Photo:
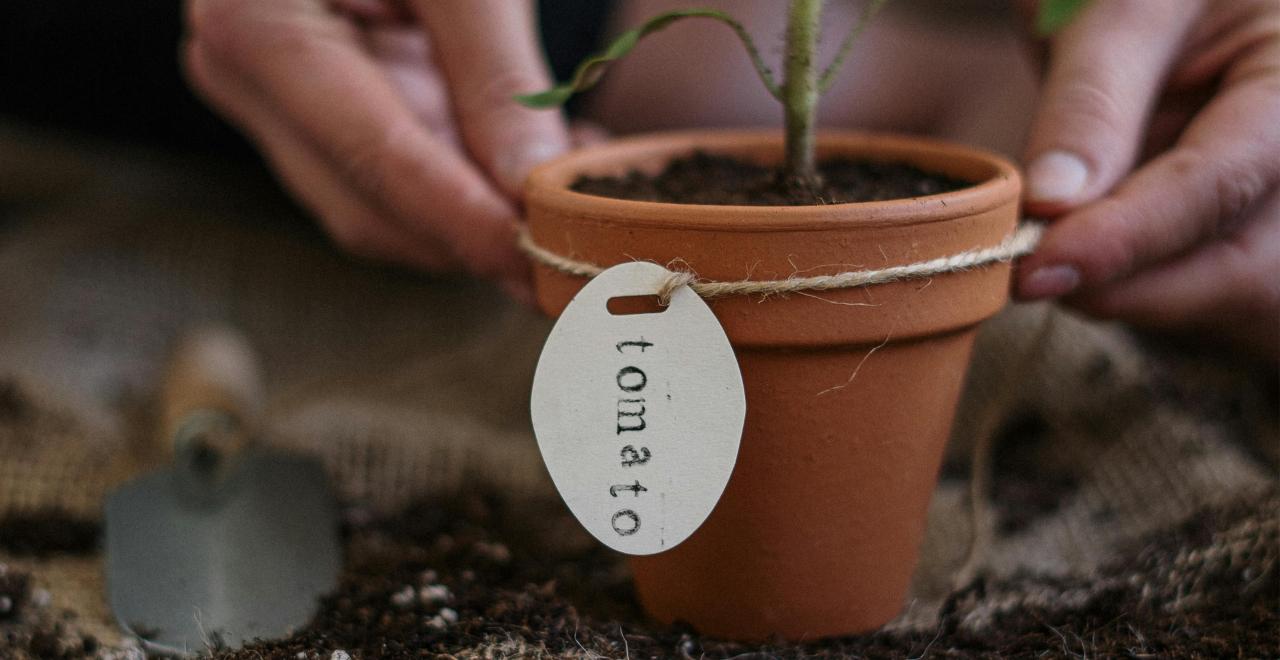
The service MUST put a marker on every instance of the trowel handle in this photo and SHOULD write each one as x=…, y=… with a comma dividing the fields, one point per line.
x=212, y=394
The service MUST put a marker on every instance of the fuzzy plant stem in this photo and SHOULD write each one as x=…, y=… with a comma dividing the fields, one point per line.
x=800, y=89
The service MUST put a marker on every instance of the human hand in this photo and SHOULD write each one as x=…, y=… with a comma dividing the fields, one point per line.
x=392, y=122
x=1190, y=240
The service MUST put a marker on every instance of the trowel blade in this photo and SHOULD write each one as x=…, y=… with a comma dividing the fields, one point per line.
x=186, y=576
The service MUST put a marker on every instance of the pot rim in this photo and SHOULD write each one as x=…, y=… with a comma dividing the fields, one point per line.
x=550, y=181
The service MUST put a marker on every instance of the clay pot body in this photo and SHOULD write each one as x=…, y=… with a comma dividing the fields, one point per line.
x=850, y=393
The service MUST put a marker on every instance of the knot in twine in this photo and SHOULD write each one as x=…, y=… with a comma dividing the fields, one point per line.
x=1020, y=243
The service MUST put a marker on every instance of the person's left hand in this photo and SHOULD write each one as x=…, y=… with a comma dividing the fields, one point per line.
x=392, y=122
x=1189, y=241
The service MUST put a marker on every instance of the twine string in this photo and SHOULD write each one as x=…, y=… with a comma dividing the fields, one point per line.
x=1020, y=243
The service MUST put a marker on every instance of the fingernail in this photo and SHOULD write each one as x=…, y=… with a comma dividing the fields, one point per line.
x=514, y=166
x=1049, y=282
x=1056, y=176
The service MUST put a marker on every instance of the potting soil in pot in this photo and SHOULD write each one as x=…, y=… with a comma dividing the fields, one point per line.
x=704, y=178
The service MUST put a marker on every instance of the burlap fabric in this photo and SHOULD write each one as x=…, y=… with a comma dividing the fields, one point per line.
x=1132, y=505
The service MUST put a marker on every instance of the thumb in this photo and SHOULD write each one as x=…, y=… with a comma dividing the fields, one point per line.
x=1105, y=71
x=489, y=52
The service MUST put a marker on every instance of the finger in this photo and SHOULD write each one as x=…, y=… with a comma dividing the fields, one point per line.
x=355, y=226
x=489, y=52
x=309, y=65
x=1223, y=165
x=406, y=57
x=1230, y=289
x=1104, y=71
x=379, y=11
x=1224, y=36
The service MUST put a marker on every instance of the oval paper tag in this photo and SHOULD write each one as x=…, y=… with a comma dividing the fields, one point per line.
x=638, y=416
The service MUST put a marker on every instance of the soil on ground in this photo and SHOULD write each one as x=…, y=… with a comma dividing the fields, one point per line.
x=704, y=178
x=483, y=576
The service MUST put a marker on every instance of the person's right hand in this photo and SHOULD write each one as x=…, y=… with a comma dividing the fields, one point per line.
x=392, y=122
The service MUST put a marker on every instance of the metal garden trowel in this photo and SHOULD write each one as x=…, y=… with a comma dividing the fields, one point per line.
x=231, y=542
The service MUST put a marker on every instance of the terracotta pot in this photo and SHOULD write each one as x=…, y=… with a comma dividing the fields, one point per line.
x=819, y=528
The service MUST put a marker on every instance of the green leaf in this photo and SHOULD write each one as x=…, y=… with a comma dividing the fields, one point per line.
x=1056, y=14
x=590, y=70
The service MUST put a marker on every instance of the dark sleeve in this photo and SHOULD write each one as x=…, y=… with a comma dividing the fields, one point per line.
x=108, y=67
x=571, y=30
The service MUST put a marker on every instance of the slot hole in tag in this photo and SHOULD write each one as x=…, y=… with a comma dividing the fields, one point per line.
x=629, y=305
